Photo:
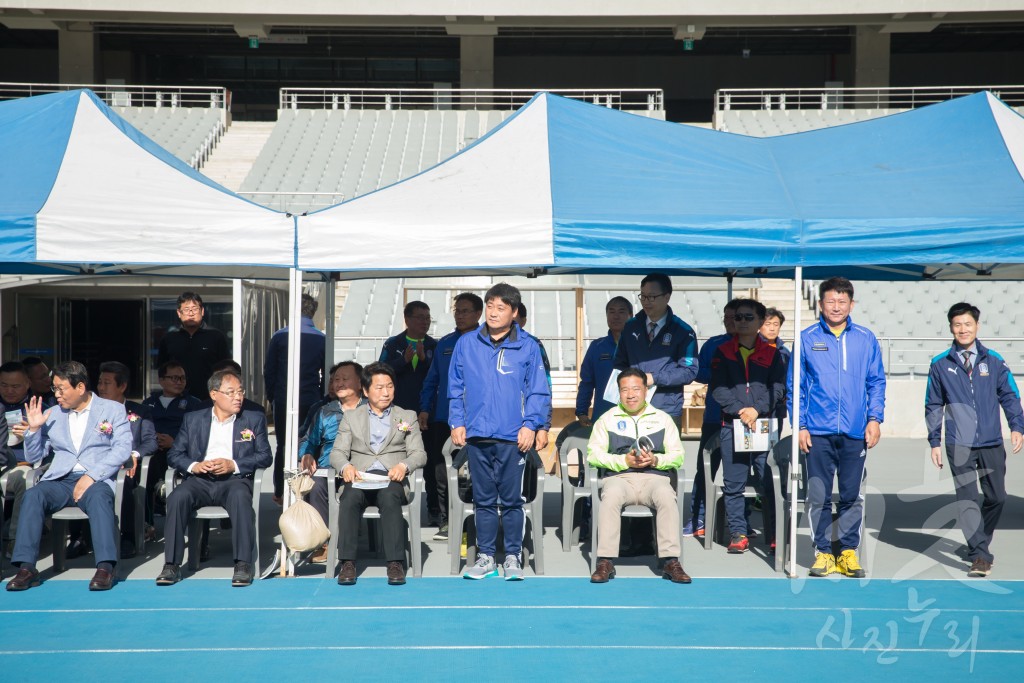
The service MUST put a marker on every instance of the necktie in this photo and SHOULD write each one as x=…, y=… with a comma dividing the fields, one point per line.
x=650, y=333
x=967, y=363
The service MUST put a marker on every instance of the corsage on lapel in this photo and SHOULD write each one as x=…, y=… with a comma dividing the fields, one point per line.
x=246, y=435
x=133, y=417
x=105, y=428
x=403, y=426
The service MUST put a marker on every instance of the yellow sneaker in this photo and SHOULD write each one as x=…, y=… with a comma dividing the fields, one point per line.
x=847, y=564
x=465, y=543
x=824, y=565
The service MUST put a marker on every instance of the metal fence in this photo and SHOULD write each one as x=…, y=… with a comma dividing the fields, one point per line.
x=855, y=98
x=639, y=99
x=129, y=95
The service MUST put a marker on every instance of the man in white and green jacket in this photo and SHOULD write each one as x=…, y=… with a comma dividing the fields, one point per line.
x=636, y=473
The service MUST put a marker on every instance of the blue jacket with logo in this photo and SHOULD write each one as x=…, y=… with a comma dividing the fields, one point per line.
x=971, y=403
x=594, y=374
x=671, y=358
x=842, y=381
x=494, y=391
x=434, y=396
x=409, y=380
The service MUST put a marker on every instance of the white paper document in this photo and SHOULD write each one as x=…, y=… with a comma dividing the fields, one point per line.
x=371, y=481
x=611, y=390
x=758, y=439
x=13, y=417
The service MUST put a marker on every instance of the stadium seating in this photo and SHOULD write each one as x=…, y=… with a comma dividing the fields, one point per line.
x=188, y=133
x=766, y=123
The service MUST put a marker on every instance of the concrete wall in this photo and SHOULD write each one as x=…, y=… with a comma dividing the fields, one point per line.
x=904, y=410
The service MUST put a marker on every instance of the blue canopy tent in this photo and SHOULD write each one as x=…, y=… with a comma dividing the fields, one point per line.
x=564, y=186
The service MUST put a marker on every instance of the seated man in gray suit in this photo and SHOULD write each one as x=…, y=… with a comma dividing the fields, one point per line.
x=218, y=451
x=91, y=440
x=385, y=440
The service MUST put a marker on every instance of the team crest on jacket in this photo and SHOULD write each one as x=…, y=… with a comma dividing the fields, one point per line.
x=983, y=369
x=621, y=425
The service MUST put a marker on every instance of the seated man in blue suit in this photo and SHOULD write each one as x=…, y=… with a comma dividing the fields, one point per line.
x=218, y=451
x=91, y=440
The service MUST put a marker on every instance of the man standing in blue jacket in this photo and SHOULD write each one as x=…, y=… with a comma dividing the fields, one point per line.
x=660, y=344
x=433, y=409
x=498, y=399
x=597, y=363
x=842, y=404
x=968, y=384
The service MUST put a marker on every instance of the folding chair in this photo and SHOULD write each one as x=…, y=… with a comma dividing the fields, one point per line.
x=596, y=477
x=573, y=440
x=459, y=510
x=195, y=525
x=410, y=511
x=714, y=487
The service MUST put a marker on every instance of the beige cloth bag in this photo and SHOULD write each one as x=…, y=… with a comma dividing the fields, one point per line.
x=302, y=528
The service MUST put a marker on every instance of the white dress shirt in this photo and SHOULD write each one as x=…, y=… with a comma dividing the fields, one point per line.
x=222, y=438
x=78, y=420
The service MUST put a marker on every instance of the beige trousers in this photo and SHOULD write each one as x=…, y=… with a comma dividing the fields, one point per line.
x=638, y=488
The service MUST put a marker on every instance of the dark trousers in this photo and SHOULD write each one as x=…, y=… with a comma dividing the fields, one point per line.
x=496, y=470
x=389, y=501
x=988, y=466
x=317, y=497
x=708, y=431
x=435, y=474
x=737, y=466
x=835, y=456
x=233, y=493
x=280, y=420
x=47, y=497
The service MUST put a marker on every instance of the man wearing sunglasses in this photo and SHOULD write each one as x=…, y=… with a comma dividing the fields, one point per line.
x=659, y=344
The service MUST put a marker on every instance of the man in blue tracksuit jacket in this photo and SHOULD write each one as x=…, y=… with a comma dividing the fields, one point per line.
x=433, y=408
x=498, y=399
x=968, y=384
x=842, y=405
x=657, y=342
x=597, y=363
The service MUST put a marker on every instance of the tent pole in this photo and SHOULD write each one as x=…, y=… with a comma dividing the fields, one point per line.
x=330, y=321
x=292, y=412
x=728, y=286
x=580, y=333
x=236, y=321
x=794, y=469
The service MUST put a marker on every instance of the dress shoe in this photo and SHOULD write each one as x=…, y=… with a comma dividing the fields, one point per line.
x=980, y=567
x=396, y=573
x=347, y=573
x=605, y=571
x=102, y=580
x=169, y=575
x=25, y=578
x=673, y=571
x=76, y=549
x=320, y=556
x=243, y=574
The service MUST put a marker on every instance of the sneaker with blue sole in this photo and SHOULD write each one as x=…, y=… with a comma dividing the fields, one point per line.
x=513, y=568
x=483, y=568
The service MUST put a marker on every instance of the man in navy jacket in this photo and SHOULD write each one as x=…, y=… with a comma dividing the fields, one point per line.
x=661, y=345
x=968, y=384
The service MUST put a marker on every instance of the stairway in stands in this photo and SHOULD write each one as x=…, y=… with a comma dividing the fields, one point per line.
x=235, y=153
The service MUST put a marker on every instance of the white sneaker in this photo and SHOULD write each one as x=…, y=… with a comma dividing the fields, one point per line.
x=483, y=568
x=513, y=568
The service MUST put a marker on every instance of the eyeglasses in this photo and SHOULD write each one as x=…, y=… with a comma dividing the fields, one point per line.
x=60, y=391
x=232, y=393
x=744, y=316
x=189, y=311
x=649, y=298
x=174, y=378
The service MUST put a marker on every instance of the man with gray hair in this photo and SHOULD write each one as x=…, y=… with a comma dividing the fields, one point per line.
x=217, y=451
x=312, y=347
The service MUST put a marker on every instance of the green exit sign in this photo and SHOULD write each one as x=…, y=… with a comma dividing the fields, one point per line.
x=687, y=44
x=254, y=42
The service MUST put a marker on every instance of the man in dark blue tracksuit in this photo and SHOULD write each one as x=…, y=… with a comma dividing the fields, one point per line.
x=968, y=384
x=842, y=405
x=410, y=353
x=657, y=342
x=498, y=399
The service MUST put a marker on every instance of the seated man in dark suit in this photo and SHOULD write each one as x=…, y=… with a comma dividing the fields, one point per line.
x=383, y=439
x=218, y=451
x=91, y=440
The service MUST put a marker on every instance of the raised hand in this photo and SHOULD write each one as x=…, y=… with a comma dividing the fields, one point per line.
x=34, y=414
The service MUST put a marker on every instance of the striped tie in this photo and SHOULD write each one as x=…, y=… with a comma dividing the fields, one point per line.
x=967, y=363
x=650, y=333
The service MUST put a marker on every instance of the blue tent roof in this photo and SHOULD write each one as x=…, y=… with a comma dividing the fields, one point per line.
x=618, y=192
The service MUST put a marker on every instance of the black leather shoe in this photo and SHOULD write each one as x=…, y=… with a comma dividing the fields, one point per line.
x=102, y=580
x=347, y=573
x=396, y=573
x=170, y=575
x=25, y=578
x=243, y=575
x=76, y=549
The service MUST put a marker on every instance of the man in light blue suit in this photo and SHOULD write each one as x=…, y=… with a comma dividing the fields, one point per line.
x=91, y=440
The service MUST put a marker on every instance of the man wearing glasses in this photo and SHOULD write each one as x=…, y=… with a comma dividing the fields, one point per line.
x=661, y=345
x=195, y=345
x=218, y=452
x=410, y=354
